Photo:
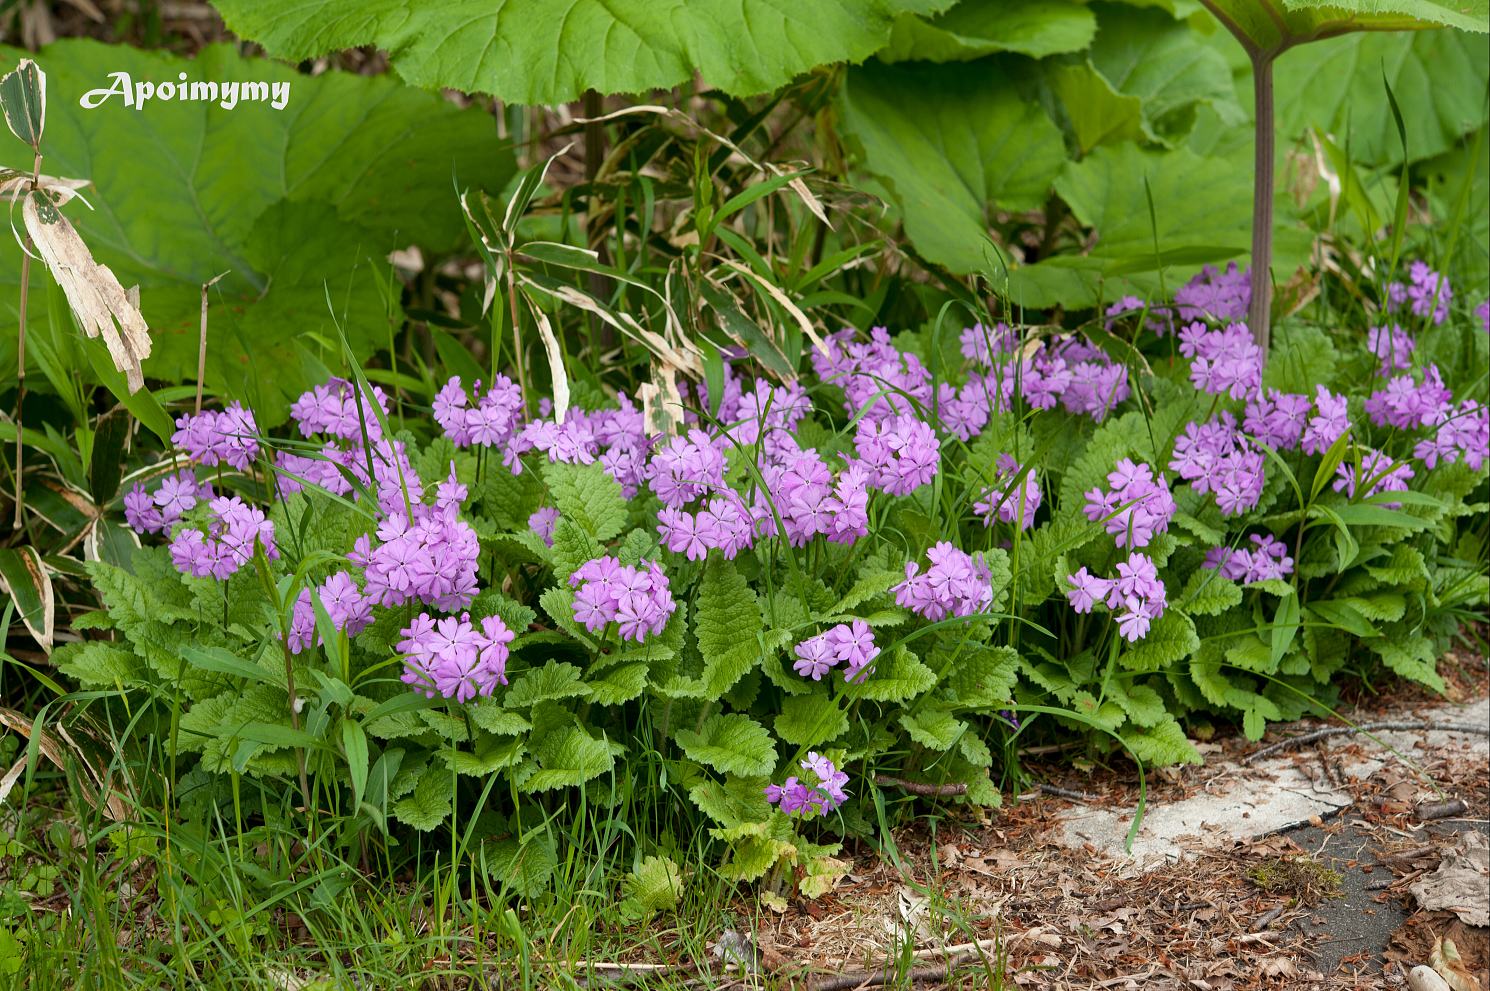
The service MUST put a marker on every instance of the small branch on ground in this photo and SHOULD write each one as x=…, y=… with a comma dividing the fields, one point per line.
x=1441, y=810
x=1075, y=796
x=921, y=788
x=1332, y=731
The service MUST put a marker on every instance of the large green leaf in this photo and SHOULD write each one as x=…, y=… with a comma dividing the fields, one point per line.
x=552, y=51
x=1438, y=77
x=1470, y=15
x=1149, y=55
x=950, y=144
x=1273, y=25
x=975, y=28
x=295, y=204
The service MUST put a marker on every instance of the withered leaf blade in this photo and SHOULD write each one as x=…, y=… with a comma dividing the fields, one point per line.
x=94, y=293
x=29, y=586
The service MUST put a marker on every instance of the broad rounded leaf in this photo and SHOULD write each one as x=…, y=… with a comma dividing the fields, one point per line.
x=731, y=744
x=552, y=51
x=951, y=144
x=975, y=28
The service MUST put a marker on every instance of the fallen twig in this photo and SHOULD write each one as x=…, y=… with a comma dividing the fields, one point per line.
x=1441, y=810
x=1267, y=918
x=1332, y=731
x=921, y=788
x=1075, y=796
x=875, y=979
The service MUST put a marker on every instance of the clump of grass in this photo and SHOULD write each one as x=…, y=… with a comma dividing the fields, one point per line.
x=1305, y=879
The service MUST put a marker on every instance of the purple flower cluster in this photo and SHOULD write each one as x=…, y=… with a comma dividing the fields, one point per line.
x=1407, y=403
x=228, y=544
x=1223, y=362
x=229, y=437
x=489, y=418
x=1278, y=419
x=1483, y=312
x=1136, y=507
x=795, y=797
x=1376, y=472
x=452, y=658
x=431, y=557
x=1216, y=457
x=1426, y=294
x=852, y=643
x=810, y=500
x=1006, y=500
x=348, y=608
x=1393, y=346
x=1267, y=558
x=1136, y=596
x=954, y=584
x=686, y=468
x=638, y=599
x=1459, y=434
x=901, y=452
x=984, y=346
x=877, y=378
x=1214, y=295
x=337, y=408
x=158, y=512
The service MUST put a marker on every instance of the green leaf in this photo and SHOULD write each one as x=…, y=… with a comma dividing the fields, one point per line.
x=727, y=624
x=489, y=714
x=1097, y=113
x=733, y=802
x=1149, y=55
x=100, y=664
x=619, y=684
x=1412, y=657
x=1162, y=745
x=731, y=744
x=428, y=805
x=810, y=720
x=655, y=886
x=525, y=867
x=951, y=144
x=509, y=48
x=555, y=680
x=567, y=756
x=289, y=203
x=937, y=729
x=491, y=754
x=983, y=677
x=1208, y=594
x=1171, y=638
x=1467, y=15
x=1144, y=706
x=1202, y=211
x=588, y=496
x=23, y=98
x=975, y=28
x=898, y=676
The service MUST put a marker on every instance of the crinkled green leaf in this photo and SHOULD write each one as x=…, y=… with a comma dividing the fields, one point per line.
x=588, y=496
x=554, y=680
x=810, y=720
x=975, y=28
x=731, y=744
x=727, y=623
x=429, y=804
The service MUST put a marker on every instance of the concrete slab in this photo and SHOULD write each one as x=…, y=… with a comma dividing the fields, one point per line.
x=1244, y=802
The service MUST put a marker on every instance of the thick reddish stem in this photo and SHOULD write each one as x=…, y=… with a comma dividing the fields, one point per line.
x=1260, y=313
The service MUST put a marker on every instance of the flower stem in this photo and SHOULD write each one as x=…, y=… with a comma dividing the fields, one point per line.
x=1260, y=312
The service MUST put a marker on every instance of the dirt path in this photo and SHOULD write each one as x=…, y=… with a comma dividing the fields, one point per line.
x=1290, y=872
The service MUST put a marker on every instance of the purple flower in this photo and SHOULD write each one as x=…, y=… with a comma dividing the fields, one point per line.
x=1376, y=472
x=981, y=345
x=877, y=378
x=1086, y=590
x=955, y=584
x=684, y=469
x=1459, y=434
x=1009, y=501
x=1393, y=346
x=1427, y=293
x=1268, y=558
x=853, y=644
x=1331, y=420
x=452, y=658
x=338, y=409
x=233, y=531
x=815, y=657
x=637, y=599
x=542, y=522
x=1215, y=457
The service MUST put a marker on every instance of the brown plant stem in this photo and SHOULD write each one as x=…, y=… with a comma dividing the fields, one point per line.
x=284, y=646
x=1259, y=314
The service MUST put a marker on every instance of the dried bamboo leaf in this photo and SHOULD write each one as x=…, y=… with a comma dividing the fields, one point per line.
x=94, y=293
